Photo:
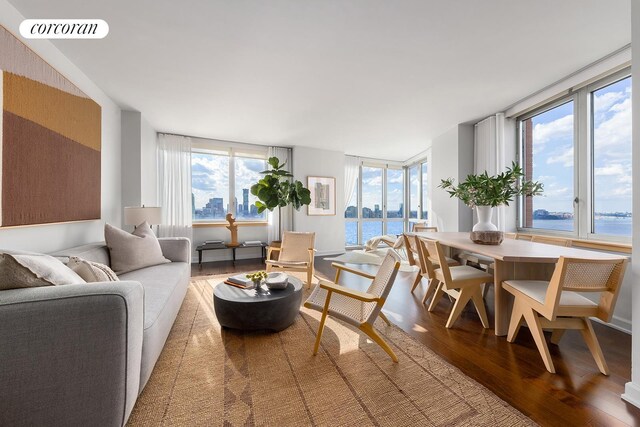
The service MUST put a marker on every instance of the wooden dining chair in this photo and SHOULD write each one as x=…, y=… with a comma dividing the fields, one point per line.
x=421, y=228
x=462, y=283
x=558, y=304
x=296, y=253
x=357, y=308
x=557, y=241
x=414, y=257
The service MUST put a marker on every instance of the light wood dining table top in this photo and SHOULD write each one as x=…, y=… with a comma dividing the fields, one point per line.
x=512, y=250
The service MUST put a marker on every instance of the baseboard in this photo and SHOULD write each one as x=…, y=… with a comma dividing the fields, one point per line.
x=631, y=394
x=617, y=323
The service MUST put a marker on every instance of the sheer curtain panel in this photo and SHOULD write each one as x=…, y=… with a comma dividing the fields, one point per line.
x=351, y=172
x=174, y=185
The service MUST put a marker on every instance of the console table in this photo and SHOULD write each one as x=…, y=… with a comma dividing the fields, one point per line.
x=216, y=246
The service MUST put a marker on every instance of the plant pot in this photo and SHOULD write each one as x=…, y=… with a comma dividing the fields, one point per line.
x=484, y=219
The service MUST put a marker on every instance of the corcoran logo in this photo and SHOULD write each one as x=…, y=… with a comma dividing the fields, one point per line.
x=64, y=28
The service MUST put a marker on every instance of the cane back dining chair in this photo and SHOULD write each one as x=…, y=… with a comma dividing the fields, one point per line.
x=296, y=253
x=357, y=308
x=557, y=241
x=558, y=305
x=414, y=258
x=463, y=283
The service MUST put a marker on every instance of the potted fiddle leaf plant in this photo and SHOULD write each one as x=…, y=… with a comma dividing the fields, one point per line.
x=484, y=192
x=278, y=189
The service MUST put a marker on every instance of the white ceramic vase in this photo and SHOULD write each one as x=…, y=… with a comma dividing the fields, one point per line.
x=484, y=219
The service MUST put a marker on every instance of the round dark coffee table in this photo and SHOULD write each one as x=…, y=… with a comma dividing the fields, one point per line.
x=248, y=309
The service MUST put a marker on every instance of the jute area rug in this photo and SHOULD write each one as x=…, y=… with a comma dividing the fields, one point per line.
x=211, y=376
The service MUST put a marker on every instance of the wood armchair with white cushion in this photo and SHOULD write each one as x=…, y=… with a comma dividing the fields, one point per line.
x=296, y=253
x=558, y=304
x=357, y=308
x=463, y=283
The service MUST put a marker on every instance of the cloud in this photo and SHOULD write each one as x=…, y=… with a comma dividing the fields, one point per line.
x=565, y=157
x=552, y=131
x=613, y=169
x=615, y=130
x=602, y=103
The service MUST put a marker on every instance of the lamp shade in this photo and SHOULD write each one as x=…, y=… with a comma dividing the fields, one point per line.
x=136, y=215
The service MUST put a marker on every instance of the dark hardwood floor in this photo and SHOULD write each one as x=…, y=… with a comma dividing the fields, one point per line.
x=578, y=395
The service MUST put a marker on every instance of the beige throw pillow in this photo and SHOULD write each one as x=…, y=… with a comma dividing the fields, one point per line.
x=22, y=270
x=133, y=251
x=92, y=271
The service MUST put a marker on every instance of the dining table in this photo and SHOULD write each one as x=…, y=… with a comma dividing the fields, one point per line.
x=513, y=260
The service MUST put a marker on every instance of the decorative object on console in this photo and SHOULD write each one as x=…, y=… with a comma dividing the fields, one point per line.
x=133, y=251
x=278, y=189
x=47, y=122
x=233, y=228
x=323, y=195
x=485, y=192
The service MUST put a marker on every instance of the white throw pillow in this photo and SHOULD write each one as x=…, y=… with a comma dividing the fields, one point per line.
x=133, y=251
x=92, y=271
x=28, y=270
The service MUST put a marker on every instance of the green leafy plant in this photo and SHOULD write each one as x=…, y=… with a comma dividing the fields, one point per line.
x=495, y=190
x=258, y=276
x=277, y=189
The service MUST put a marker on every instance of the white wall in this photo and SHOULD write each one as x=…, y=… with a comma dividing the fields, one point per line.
x=329, y=230
x=632, y=388
x=139, y=161
x=148, y=164
x=451, y=157
x=48, y=238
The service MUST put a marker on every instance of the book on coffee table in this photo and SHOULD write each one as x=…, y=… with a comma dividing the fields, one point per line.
x=239, y=280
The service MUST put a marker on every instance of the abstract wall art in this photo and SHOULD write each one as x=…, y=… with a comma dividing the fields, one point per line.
x=50, y=142
x=323, y=195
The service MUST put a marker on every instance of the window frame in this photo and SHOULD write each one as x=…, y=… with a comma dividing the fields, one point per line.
x=583, y=157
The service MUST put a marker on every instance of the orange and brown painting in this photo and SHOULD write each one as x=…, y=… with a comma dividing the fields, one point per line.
x=50, y=135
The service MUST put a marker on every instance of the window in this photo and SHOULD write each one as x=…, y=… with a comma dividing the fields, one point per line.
x=210, y=186
x=214, y=193
x=414, y=191
x=611, y=136
x=424, y=182
x=548, y=147
x=247, y=173
x=376, y=205
x=580, y=148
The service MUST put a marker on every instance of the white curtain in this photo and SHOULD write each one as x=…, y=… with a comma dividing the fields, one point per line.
x=489, y=155
x=174, y=185
x=284, y=155
x=351, y=172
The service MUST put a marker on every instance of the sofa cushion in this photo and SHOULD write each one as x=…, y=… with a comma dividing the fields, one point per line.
x=165, y=287
x=159, y=283
x=91, y=271
x=26, y=270
x=133, y=251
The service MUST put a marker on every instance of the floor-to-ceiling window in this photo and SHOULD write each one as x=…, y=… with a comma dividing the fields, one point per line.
x=579, y=147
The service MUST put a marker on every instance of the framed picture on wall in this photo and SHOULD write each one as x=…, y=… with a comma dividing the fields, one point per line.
x=323, y=195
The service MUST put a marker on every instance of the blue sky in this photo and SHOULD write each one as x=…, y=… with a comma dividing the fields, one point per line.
x=553, y=152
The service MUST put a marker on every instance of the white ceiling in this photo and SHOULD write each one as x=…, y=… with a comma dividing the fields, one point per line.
x=376, y=78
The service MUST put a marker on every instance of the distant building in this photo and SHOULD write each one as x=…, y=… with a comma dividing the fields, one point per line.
x=245, y=201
